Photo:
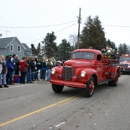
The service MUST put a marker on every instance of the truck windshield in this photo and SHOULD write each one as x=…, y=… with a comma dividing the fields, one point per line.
x=124, y=58
x=83, y=55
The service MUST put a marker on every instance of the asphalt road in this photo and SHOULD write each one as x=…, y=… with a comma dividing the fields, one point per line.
x=36, y=107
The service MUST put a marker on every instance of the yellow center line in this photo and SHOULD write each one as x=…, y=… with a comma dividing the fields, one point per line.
x=60, y=105
x=39, y=110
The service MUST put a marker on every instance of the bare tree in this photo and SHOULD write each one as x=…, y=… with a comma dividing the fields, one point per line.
x=73, y=40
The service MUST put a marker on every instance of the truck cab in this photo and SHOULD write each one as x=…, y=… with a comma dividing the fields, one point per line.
x=125, y=62
x=86, y=69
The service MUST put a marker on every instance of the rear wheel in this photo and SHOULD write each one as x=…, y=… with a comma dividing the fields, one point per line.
x=57, y=88
x=90, y=87
x=115, y=81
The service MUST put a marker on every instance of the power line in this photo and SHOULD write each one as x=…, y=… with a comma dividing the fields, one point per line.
x=55, y=32
x=103, y=25
x=39, y=26
x=121, y=26
x=65, y=28
x=117, y=26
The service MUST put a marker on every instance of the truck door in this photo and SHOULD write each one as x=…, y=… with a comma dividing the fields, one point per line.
x=99, y=67
x=105, y=68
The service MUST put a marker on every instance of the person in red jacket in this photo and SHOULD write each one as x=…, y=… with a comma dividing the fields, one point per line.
x=24, y=69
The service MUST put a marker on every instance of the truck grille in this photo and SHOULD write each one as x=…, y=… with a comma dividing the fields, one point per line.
x=68, y=73
x=123, y=66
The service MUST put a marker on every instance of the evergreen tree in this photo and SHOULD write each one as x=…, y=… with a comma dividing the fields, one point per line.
x=120, y=49
x=128, y=49
x=50, y=48
x=111, y=44
x=64, y=50
x=33, y=49
x=123, y=49
x=93, y=34
x=36, y=51
x=39, y=50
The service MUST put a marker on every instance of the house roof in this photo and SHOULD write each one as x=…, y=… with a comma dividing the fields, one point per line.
x=27, y=48
x=5, y=41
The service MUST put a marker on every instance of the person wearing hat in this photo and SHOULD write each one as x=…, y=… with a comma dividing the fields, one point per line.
x=10, y=55
x=10, y=69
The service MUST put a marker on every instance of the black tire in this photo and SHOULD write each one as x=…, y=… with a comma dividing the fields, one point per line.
x=57, y=88
x=90, y=86
x=115, y=81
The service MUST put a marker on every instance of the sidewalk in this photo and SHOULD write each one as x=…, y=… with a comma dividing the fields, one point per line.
x=33, y=83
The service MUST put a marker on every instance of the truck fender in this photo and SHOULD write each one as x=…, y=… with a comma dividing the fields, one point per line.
x=91, y=73
x=113, y=71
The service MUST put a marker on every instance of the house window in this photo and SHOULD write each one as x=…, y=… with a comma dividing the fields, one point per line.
x=12, y=47
x=19, y=48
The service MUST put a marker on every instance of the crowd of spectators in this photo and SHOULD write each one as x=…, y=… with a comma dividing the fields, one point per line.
x=28, y=69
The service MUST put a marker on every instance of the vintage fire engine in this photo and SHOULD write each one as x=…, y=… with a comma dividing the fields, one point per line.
x=125, y=62
x=86, y=69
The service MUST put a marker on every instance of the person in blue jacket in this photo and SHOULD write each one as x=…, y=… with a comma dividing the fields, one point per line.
x=10, y=69
x=43, y=69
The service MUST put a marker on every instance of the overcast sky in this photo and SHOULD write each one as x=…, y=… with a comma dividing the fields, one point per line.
x=63, y=14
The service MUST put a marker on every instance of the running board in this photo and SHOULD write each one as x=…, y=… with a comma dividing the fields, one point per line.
x=105, y=81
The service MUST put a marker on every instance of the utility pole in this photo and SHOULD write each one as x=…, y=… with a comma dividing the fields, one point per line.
x=79, y=21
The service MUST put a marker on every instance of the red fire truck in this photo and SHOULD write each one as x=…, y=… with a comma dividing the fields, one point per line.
x=125, y=62
x=86, y=69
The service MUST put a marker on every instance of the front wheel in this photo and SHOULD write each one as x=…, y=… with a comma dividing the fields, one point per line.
x=115, y=81
x=57, y=88
x=89, y=90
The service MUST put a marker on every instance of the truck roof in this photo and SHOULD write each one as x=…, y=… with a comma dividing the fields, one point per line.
x=88, y=50
x=125, y=55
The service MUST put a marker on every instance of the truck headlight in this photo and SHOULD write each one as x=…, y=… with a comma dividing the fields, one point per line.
x=83, y=73
x=53, y=71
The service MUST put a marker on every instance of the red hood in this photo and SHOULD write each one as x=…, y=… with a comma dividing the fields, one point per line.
x=78, y=63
